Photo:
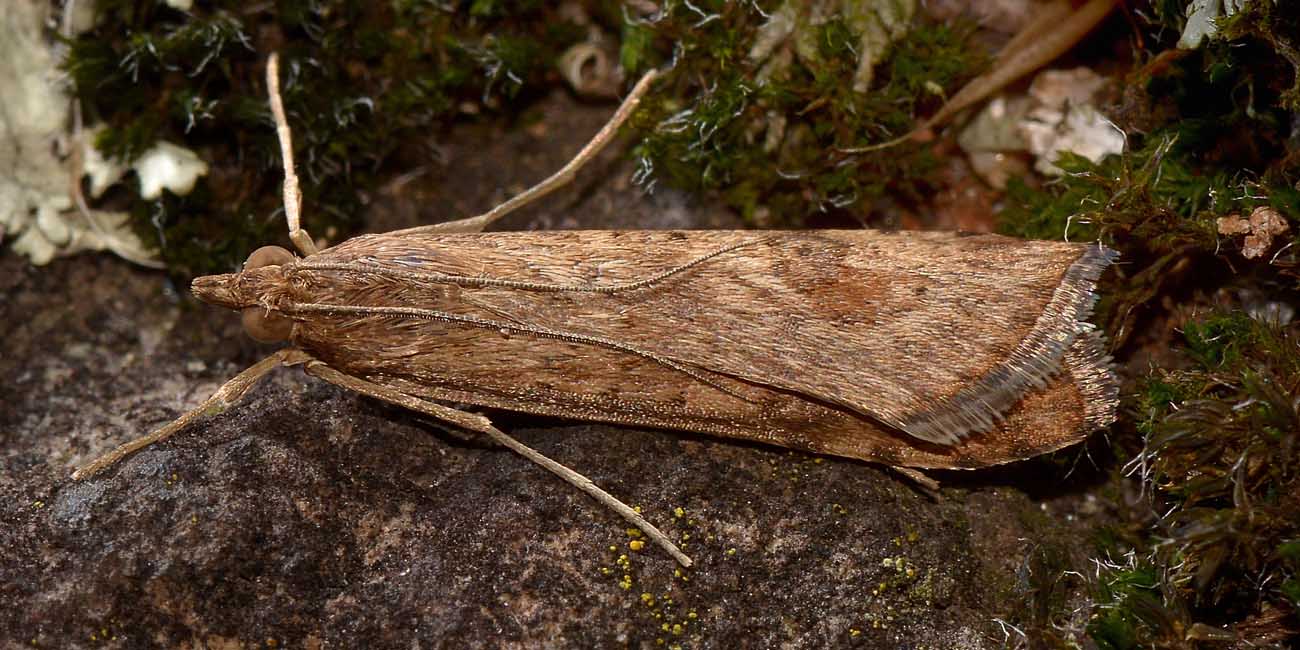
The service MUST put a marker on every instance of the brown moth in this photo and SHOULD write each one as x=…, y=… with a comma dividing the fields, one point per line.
x=921, y=350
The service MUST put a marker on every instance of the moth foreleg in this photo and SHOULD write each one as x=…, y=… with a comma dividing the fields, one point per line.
x=229, y=394
x=474, y=422
x=554, y=181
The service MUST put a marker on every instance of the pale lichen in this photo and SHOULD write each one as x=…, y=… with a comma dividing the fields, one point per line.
x=1264, y=224
x=875, y=25
x=1057, y=116
x=170, y=167
x=1202, y=20
x=38, y=197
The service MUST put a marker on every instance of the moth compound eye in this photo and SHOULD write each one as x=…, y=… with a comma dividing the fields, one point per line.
x=268, y=256
x=263, y=326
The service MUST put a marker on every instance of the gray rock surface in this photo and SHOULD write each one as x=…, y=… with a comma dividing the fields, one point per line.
x=309, y=517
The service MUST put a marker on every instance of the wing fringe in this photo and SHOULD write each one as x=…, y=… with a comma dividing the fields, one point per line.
x=1036, y=360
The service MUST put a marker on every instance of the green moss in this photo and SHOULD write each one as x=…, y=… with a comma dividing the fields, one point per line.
x=1277, y=25
x=636, y=48
x=1217, y=340
x=766, y=134
x=364, y=84
x=1133, y=616
x=1186, y=163
x=1151, y=200
x=1154, y=401
x=1222, y=461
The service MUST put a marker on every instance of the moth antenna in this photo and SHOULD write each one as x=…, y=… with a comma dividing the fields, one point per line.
x=557, y=180
x=292, y=195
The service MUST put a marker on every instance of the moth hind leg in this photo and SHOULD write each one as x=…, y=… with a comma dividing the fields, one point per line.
x=918, y=478
x=228, y=395
x=478, y=423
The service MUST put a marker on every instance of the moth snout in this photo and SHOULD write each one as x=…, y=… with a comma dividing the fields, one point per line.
x=221, y=290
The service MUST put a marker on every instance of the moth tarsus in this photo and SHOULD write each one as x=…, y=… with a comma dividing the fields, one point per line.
x=914, y=350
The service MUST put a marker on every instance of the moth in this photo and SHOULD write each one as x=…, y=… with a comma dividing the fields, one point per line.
x=916, y=350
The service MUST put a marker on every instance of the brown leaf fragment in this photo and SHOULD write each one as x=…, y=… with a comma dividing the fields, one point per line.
x=1255, y=246
x=1233, y=224
x=1266, y=219
x=1265, y=222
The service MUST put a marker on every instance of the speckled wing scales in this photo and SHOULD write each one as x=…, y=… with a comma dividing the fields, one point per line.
x=794, y=338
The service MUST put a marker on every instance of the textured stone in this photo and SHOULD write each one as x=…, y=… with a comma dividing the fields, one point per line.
x=310, y=517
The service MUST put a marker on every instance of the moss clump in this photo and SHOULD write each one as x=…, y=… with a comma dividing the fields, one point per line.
x=1186, y=167
x=1221, y=463
x=1187, y=164
x=1276, y=25
x=1208, y=555
x=766, y=132
x=1145, y=196
x=1133, y=614
x=365, y=85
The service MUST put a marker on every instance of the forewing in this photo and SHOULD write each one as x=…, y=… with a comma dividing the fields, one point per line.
x=932, y=334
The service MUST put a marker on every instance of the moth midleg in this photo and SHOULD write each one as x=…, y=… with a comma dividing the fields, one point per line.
x=559, y=179
x=474, y=422
x=228, y=395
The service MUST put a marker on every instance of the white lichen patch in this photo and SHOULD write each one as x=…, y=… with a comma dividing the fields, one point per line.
x=39, y=210
x=996, y=127
x=1081, y=129
x=1202, y=20
x=1057, y=89
x=101, y=171
x=1065, y=120
x=876, y=24
x=1003, y=16
x=1057, y=115
x=166, y=166
x=32, y=113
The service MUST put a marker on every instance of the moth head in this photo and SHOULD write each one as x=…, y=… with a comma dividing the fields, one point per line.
x=246, y=292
